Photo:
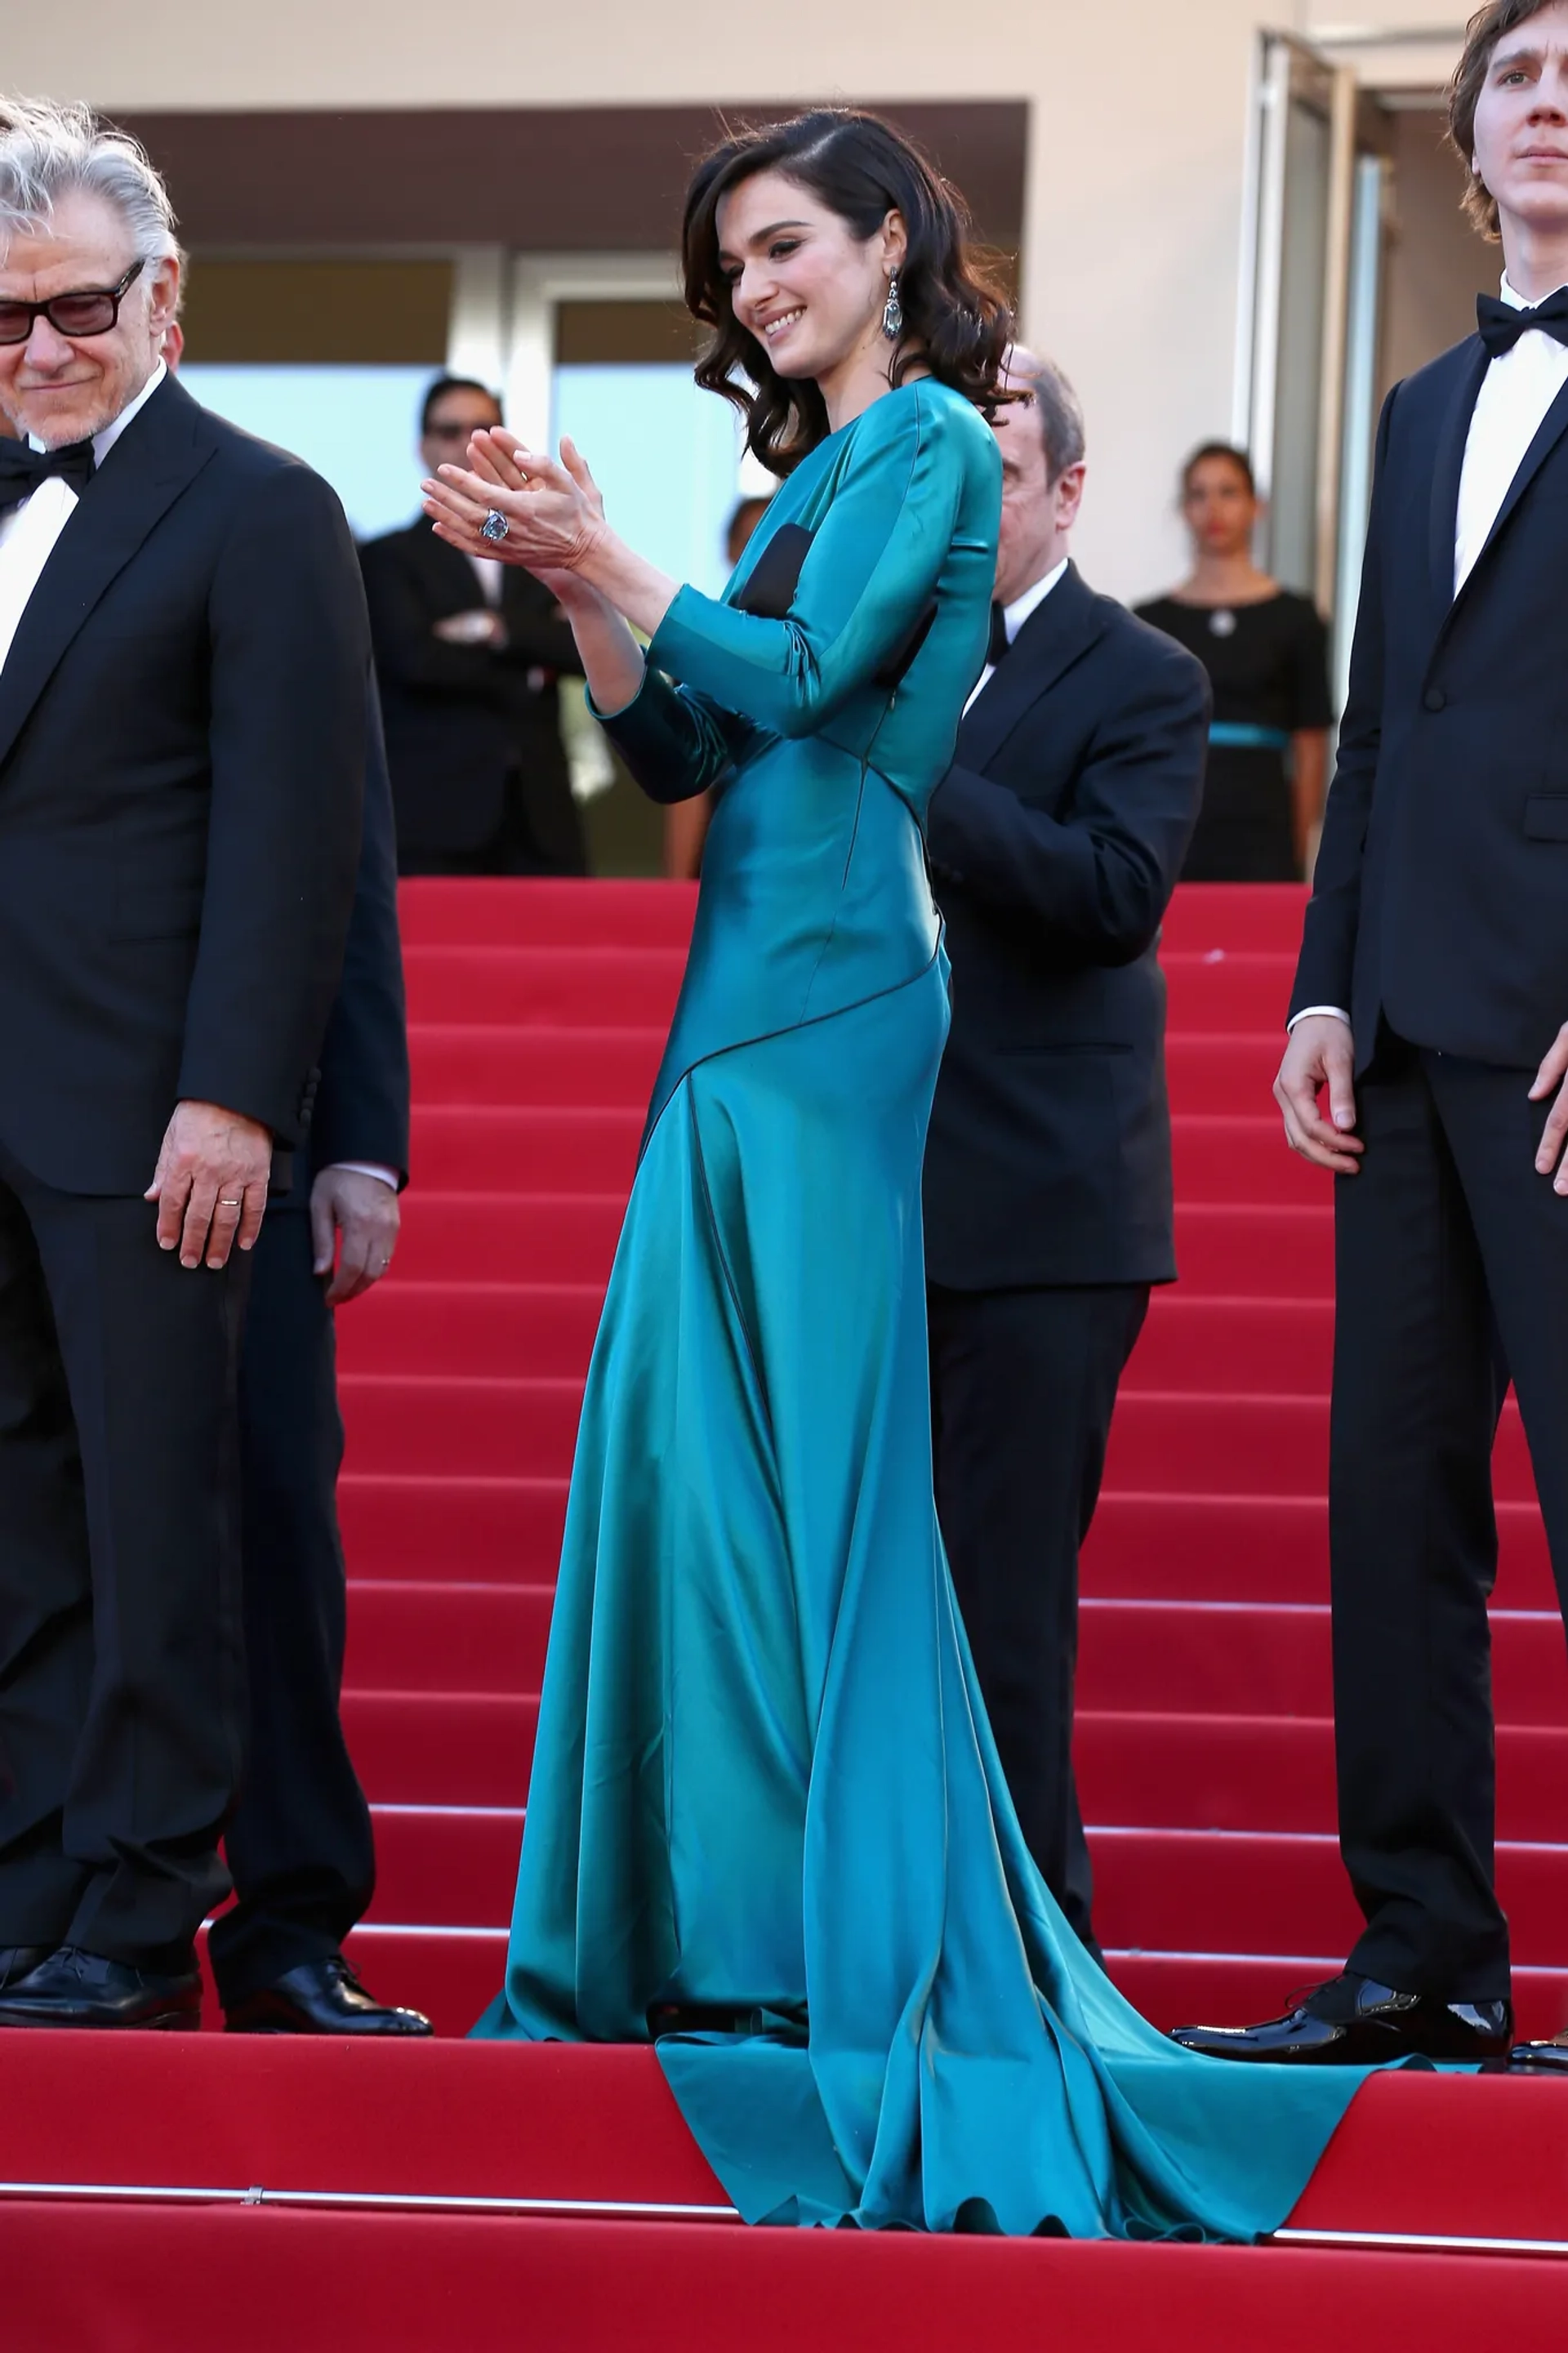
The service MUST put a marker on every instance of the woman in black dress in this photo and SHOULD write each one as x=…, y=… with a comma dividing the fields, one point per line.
x=1265, y=651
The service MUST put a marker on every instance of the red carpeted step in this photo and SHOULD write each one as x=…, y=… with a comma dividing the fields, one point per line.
x=1237, y=1249
x=1242, y=918
x=445, y=1864
x=548, y=1148
x=553, y=1064
x=465, y=1749
x=475, y=1530
x=569, y=915
x=1230, y=990
x=319, y=2280
x=447, y=1637
x=1240, y=1892
x=1231, y=1073
x=529, y=1147
x=1239, y=1771
x=557, y=1238
x=1282, y=1347
x=1262, y=1445
x=1220, y=1547
x=582, y=988
x=1218, y=1658
x=493, y=1429
x=488, y=1328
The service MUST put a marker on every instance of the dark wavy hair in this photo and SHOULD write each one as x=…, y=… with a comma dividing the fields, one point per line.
x=1233, y=457
x=957, y=321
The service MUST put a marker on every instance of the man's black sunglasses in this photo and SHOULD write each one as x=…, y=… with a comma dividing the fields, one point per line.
x=91, y=312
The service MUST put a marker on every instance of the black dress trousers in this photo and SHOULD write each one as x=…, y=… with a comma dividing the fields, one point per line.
x=1446, y=1243
x=121, y=1699
x=300, y=1846
x=1023, y=1390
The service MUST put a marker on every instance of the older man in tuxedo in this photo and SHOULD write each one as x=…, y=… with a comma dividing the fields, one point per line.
x=183, y=669
x=1054, y=841
x=1430, y=1006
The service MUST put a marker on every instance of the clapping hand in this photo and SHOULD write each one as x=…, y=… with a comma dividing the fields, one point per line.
x=555, y=514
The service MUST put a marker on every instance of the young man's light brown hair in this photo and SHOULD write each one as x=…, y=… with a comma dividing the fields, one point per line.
x=1482, y=34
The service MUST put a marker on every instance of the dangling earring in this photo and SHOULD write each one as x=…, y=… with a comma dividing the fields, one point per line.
x=893, y=310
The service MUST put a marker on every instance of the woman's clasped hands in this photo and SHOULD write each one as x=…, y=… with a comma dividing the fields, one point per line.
x=552, y=510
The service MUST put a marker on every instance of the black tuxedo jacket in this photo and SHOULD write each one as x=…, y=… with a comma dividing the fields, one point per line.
x=1440, y=899
x=459, y=718
x=182, y=760
x=1055, y=842
x=360, y=1109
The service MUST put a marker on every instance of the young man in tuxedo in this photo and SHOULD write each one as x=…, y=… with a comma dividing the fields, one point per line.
x=1431, y=1006
x=184, y=677
x=467, y=655
x=1055, y=842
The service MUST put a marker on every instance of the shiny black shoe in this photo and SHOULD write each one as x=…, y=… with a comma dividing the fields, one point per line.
x=19, y=1961
x=1548, y=2058
x=72, y=1987
x=320, y=1997
x=1354, y=2021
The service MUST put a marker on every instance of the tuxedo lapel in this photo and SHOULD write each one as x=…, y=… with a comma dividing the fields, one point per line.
x=1049, y=642
x=161, y=450
x=1448, y=464
x=1552, y=426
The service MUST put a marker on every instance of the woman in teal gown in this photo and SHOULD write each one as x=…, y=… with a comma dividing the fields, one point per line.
x=767, y=1827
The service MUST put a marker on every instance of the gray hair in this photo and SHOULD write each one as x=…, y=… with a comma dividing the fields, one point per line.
x=1057, y=407
x=47, y=150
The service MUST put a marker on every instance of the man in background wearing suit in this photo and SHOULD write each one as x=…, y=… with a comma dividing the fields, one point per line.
x=1054, y=841
x=1431, y=1004
x=467, y=655
x=184, y=673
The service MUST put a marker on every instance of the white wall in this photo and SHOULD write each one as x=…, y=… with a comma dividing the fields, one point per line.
x=1132, y=230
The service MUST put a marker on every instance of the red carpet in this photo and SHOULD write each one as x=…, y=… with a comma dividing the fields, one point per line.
x=1205, y=1744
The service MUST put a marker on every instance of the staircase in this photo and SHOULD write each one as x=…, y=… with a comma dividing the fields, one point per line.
x=1205, y=1743
x=407, y=2197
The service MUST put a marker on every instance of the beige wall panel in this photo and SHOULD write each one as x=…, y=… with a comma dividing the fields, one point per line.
x=1133, y=218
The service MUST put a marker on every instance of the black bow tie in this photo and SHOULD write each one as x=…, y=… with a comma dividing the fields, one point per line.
x=1501, y=326
x=998, y=642
x=23, y=467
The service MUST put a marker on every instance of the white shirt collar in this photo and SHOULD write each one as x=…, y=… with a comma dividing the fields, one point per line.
x=1015, y=615
x=1515, y=301
x=102, y=443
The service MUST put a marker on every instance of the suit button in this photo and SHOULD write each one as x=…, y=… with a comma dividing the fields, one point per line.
x=1435, y=699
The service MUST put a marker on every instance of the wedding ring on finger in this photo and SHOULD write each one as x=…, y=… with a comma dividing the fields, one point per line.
x=494, y=527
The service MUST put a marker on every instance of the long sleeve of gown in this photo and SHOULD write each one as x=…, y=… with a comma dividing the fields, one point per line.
x=864, y=585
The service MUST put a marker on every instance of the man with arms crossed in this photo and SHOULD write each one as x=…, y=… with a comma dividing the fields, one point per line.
x=1054, y=841
x=183, y=676
x=1431, y=1005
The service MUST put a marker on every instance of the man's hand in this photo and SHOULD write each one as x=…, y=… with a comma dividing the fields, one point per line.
x=1553, y=1072
x=366, y=1212
x=1320, y=1054
x=210, y=1183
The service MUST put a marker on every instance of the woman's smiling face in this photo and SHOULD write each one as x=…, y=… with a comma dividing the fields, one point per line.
x=800, y=280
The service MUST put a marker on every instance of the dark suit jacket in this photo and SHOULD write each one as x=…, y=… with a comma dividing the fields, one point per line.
x=1440, y=899
x=362, y=1095
x=459, y=718
x=1055, y=842
x=181, y=761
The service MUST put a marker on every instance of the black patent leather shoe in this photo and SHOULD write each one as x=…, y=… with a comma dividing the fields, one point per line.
x=72, y=1987
x=19, y=1961
x=320, y=1997
x=1354, y=2021
x=1548, y=2058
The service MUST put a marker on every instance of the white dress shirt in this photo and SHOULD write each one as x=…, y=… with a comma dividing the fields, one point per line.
x=1516, y=390
x=1014, y=617
x=28, y=533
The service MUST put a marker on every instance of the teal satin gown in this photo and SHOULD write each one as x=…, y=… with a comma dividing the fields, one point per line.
x=765, y=1787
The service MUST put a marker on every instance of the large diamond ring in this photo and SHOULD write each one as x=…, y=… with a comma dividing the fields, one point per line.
x=494, y=527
